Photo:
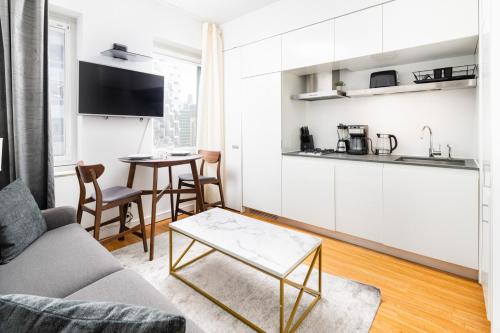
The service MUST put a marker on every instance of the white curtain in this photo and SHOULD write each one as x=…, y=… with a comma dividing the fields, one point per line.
x=210, y=135
x=210, y=129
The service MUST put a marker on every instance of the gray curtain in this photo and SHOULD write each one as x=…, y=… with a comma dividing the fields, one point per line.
x=24, y=111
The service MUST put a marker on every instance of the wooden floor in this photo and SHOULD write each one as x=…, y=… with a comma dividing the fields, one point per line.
x=414, y=298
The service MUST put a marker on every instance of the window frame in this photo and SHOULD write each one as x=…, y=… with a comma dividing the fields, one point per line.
x=68, y=25
x=184, y=55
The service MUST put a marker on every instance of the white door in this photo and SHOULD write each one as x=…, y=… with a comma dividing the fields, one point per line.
x=308, y=46
x=432, y=212
x=410, y=23
x=308, y=193
x=358, y=34
x=358, y=199
x=232, y=113
x=261, y=130
x=262, y=57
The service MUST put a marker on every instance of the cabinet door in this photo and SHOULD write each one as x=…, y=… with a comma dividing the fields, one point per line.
x=308, y=191
x=261, y=129
x=308, y=46
x=261, y=57
x=409, y=23
x=358, y=199
x=232, y=121
x=358, y=34
x=432, y=212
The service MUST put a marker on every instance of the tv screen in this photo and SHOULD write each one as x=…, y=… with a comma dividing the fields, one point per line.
x=111, y=91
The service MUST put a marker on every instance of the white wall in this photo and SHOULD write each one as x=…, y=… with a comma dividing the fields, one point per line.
x=485, y=145
x=490, y=46
x=452, y=115
x=286, y=15
x=138, y=24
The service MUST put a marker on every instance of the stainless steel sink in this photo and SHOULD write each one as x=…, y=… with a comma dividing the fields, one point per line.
x=431, y=161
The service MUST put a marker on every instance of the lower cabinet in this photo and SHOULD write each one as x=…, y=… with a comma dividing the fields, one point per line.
x=429, y=211
x=358, y=199
x=308, y=193
x=432, y=212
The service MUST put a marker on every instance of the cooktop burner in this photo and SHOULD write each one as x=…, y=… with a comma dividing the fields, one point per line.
x=317, y=152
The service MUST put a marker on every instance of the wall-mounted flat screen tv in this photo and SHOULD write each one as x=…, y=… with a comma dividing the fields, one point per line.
x=112, y=91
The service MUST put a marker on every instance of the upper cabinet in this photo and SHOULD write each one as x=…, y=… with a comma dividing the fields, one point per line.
x=262, y=57
x=358, y=34
x=312, y=45
x=411, y=23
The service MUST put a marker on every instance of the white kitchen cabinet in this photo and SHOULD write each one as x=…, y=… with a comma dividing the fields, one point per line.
x=232, y=135
x=261, y=130
x=308, y=193
x=312, y=45
x=262, y=57
x=358, y=34
x=358, y=199
x=432, y=212
x=411, y=23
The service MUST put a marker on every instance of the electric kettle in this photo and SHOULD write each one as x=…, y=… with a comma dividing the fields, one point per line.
x=384, y=144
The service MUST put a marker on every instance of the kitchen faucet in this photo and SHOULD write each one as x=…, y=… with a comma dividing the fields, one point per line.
x=432, y=152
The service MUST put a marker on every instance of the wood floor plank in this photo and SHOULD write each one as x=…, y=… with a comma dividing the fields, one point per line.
x=415, y=298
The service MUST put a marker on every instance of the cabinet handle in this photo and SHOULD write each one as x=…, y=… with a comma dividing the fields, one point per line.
x=235, y=147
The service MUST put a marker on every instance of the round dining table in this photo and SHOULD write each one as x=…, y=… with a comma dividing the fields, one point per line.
x=157, y=194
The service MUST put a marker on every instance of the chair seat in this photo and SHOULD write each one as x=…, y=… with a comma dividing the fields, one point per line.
x=188, y=177
x=117, y=193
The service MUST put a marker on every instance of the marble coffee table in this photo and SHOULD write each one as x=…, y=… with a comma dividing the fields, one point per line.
x=270, y=249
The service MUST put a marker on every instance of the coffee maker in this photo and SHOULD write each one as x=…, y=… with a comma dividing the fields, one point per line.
x=343, y=134
x=358, y=139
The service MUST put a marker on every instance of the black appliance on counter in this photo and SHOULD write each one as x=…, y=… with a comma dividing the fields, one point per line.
x=306, y=139
x=358, y=142
x=384, y=79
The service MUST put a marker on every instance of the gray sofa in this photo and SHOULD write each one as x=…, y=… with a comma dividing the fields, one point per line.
x=66, y=262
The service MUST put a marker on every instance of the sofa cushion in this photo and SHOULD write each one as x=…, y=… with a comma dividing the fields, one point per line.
x=128, y=287
x=21, y=221
x=28, y=314
x=57, y=264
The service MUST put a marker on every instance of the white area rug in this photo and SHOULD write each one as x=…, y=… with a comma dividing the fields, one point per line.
x=345, y=306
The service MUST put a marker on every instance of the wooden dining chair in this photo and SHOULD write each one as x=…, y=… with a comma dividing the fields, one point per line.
x=186, y=180
x=117, y=196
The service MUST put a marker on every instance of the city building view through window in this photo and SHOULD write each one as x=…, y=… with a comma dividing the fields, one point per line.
x=177, y=129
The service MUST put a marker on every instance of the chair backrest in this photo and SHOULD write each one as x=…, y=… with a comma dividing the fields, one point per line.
x=210, y=157
x=88, y=174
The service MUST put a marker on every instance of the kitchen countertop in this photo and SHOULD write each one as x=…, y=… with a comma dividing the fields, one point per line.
x=470, y=164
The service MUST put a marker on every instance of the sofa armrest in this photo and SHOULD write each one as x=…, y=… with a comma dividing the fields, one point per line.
x=58, y=217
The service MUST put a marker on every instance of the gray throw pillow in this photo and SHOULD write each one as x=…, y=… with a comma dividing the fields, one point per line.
x=21, y=221
x=33, y=314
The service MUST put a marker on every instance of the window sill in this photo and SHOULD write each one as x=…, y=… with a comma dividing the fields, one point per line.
x=64, y=170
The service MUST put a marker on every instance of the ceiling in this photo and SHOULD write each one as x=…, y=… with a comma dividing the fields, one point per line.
x=218, y=11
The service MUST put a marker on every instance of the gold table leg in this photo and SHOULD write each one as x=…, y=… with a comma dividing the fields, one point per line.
x=287, y=327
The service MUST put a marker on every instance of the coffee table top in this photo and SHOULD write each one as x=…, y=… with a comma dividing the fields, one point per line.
x=273, y=249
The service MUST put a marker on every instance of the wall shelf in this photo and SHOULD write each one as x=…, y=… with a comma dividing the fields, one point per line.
x=445, y=85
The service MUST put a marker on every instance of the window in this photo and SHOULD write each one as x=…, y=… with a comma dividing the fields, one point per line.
x=62, y=88
x=177, y=129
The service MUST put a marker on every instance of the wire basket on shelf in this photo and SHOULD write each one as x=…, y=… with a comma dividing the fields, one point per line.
x=446, y=74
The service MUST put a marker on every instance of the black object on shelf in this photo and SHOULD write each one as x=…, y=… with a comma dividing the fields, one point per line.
x=465, y=72
x=119, y=51
x=384, y=79
x=306, y=139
